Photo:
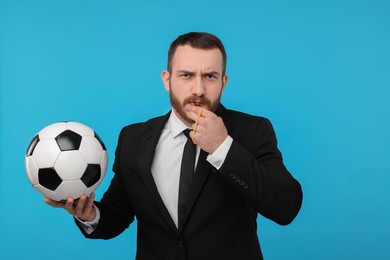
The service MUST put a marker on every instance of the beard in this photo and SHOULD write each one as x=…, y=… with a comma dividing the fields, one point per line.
x=179, y=107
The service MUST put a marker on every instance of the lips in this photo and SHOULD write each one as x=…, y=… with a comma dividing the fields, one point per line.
x=197, y=103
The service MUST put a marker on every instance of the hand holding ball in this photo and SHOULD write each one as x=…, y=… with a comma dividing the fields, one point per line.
x=66, y=159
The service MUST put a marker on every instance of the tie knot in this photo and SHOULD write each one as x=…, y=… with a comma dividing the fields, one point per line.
x=187, y=132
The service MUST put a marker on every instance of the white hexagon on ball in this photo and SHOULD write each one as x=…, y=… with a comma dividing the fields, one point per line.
x=73, y=189
x=91, y=149
x=70, y=165
x=46, y=153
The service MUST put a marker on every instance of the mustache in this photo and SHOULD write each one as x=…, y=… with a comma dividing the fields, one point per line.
x=196, y=99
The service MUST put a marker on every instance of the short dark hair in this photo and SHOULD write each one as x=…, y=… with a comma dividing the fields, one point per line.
x=198, y=40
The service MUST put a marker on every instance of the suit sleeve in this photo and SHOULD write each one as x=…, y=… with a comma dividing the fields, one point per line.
x=116, y=212
x=254, y=168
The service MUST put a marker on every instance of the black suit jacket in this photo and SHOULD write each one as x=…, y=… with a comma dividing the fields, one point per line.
x=223, y=206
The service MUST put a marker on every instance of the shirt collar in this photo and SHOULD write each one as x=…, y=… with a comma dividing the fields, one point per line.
x=175, y=125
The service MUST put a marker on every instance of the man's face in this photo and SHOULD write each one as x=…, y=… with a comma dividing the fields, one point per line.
x=196, y=79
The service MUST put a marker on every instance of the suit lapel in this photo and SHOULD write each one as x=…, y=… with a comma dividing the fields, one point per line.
x=149, y=145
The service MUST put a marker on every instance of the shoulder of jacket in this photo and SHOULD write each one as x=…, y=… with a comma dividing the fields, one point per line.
x=151, y=123
x=238, y=116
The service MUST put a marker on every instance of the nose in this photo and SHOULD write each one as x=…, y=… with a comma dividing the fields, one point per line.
x=198, y=87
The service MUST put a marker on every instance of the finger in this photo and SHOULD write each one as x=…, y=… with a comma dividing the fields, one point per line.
x=192, y=135
x=198, y=116
x=89, y=203
x=196, y=112
x=205, y=111
x=80, y=205
x=192, y=115
x=69, y=205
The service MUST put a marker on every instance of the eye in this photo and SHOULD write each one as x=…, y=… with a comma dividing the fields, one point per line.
x=185, y=75
x=211, y=76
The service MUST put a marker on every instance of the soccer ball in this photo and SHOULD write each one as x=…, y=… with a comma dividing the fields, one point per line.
x=66, y=159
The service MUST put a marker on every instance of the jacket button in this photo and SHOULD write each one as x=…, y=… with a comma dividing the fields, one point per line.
x=245, y=186
x=241, y=182
x=180, y=244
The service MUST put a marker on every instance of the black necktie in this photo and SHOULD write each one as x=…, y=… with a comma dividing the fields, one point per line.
x=186, y=175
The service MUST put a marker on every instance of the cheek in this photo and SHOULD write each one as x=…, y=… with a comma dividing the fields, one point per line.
x=179, y=91
x=214, y=93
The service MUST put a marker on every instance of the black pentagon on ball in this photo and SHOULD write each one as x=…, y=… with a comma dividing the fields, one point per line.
x=32, y=145
x=49, y=178
x=91, y=175
x=68, y=140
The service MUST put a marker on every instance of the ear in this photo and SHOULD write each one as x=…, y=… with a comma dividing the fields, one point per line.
x=165, y=77
x=225, y=80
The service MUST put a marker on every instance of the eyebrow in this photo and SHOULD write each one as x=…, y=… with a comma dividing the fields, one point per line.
x=185, y=72
x=216, y=73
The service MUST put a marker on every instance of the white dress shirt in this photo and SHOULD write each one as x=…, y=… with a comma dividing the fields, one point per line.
x=166, y=165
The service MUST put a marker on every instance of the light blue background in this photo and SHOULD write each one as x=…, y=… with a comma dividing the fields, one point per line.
x=319, y=70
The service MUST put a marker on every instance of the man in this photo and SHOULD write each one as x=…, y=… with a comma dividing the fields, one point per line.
x=239, y=170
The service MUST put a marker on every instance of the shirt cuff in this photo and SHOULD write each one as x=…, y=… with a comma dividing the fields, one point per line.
x=217, y=158
x=90, y=226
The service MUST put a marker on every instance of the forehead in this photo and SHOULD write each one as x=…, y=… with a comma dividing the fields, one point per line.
x=189, y=58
